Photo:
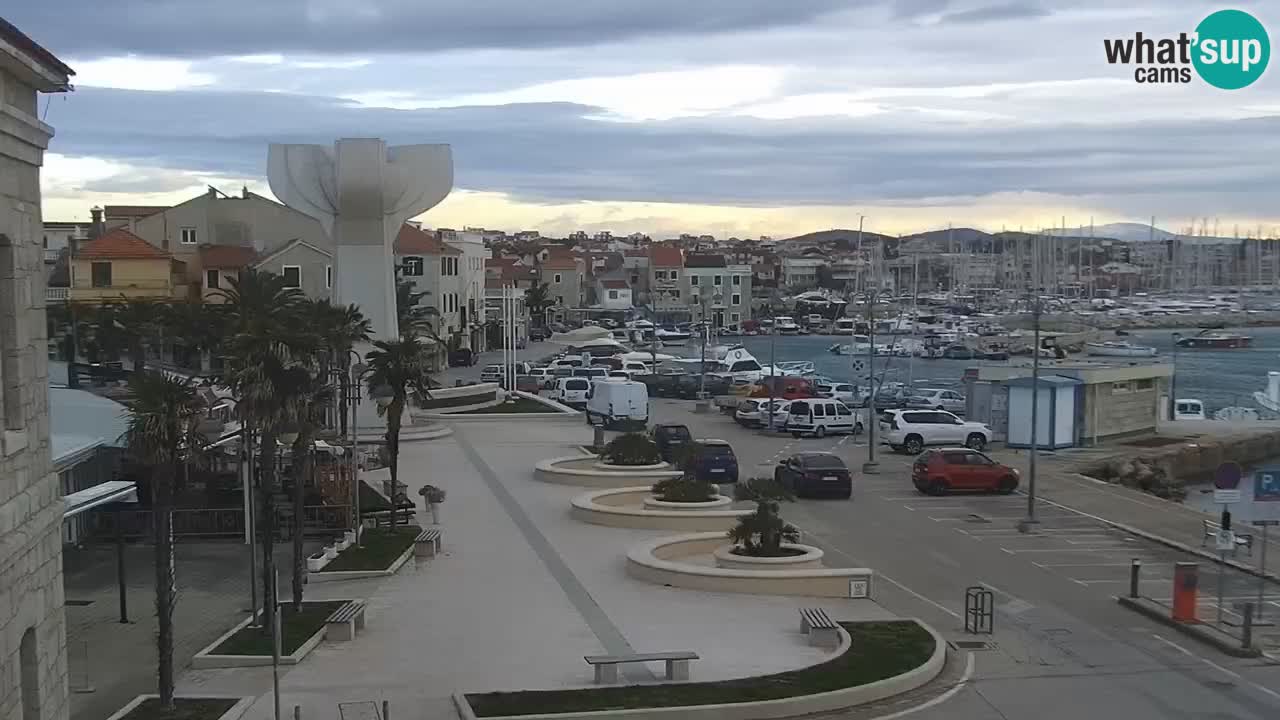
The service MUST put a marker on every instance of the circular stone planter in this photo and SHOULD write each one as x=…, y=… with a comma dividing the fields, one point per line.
x=626, y=508
x=629, y=468
x=721, y=502
x=807, y=557
x=581, y=470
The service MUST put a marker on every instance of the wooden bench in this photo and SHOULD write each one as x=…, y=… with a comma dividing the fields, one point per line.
x=345, y=621
x=606, y=666
x=427, y=543
x=1211, y=528
x=821, y=629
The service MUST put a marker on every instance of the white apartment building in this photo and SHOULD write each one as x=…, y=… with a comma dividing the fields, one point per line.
x=800, y=272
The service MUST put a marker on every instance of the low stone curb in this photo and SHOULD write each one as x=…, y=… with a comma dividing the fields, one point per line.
x=1204, y=633
x=206, y=658
x=557, y=471
x=407, y=434
x=826, y=702
x=236, y=712
x=338, y=575
x=587, y=508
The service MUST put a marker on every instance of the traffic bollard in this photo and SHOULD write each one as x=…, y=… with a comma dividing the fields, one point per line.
x=1134, y=568
x=1246, y=627
x=597, y=438
x=386, y=710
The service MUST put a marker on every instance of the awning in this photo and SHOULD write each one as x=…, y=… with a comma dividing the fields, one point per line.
x=107, y=492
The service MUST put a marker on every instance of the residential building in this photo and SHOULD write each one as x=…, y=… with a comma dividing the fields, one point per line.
x=738, y=302
x=667, y=284
x=432, y=267
x=33, y=636
x=222, y=264
x=494, y=315
x=800, y=272
x=563, y=277
x=303, y=265
x=122, y=265
x=469, y=274
x=58, y=236
x=127, y=216
x=614, y=294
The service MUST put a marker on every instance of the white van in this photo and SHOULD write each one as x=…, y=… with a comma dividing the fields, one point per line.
x=614, y=401
x=573, y=391
x=821, y=416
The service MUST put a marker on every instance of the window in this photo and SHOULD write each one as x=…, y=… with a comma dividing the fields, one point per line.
x=29, y=675
x=1145, y=384
x=411, y=267
x=1120, y=387
x=188, y=236
x=736, y=299
x=675, y=294
x=693, y=280
x=843, y=410
x=292, y=276
x=819, y=409
x=719, y=280
x=557, y=278
x=101, y=274
x=613, y=294
x=328, y=276
x=659, y=274
x=737, y=279
x=11, y=354
x=211, y=279
x=674, y=275
x=734, y=317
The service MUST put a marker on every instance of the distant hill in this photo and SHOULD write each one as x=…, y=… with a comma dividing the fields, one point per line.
x=1131, y=232
x=841, y=238
x=965, y=235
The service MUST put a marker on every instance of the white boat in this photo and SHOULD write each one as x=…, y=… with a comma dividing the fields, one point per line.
x=1119, y=349
x=797, y=367
x=672, y=337
x=784, y=325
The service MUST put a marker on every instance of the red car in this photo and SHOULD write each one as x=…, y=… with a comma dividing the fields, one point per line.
x=937, y=472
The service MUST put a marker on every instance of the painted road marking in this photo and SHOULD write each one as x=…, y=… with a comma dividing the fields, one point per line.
x=1216, y=666
x=964, y=680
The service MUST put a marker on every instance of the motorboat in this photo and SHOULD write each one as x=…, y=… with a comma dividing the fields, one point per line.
x=670, y=336
x=785, y=325
x=1215, y=339
x=797, y=367
x=1119, y=349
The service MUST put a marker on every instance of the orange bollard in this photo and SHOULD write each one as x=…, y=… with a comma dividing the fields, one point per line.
x=1186, y=586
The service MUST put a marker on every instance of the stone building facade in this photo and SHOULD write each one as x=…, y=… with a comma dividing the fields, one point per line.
x=33, y=669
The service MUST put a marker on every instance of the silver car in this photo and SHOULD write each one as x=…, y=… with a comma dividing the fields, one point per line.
x=936, y=399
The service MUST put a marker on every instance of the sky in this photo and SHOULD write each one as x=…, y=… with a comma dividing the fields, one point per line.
x=729, y=117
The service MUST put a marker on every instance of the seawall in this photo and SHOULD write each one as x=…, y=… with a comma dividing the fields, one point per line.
x=1164, y=471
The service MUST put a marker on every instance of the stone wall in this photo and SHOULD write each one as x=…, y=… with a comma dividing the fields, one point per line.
x=33, y=674
x=1122, y=411
x=1164, y=471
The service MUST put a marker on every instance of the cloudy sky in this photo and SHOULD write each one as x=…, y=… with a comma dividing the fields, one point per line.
x=741, y=117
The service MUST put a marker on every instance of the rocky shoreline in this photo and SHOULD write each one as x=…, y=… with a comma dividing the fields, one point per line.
x=1166, y=470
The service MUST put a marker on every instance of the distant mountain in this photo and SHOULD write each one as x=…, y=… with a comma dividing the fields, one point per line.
x=840, y=238
x=967, y=236
x=1131, y=232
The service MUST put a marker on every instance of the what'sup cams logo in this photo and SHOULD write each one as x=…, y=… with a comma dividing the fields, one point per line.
x=1229, y=50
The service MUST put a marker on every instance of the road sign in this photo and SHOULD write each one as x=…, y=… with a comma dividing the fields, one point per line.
x=1226, y=497
x=859, y=366
x=1266, y=485
x=1227, y=476
x=1225, y=540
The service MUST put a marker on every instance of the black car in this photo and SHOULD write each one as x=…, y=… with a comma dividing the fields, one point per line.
x=815, y=474
x=668, y=437
x=687, y=386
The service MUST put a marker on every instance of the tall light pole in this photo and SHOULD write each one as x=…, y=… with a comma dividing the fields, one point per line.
x=871, y=467
x=357, y=372
x=1030, y=521
x=705, y=295
x=1173, y=379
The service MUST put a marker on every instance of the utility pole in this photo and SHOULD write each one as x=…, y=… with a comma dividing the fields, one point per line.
x=871, y=467
x=1030, y=521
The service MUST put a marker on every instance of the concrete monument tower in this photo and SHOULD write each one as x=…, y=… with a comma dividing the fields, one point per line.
x=362, y=191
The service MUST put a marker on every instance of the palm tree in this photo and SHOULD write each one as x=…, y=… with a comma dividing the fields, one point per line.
x=340, y=328
x=138, y=321
x=397, y=369
x=197, y=327
x=259, y=367
x=410, y=316
x=538, y=299
x=162, y=435
x=763, y=531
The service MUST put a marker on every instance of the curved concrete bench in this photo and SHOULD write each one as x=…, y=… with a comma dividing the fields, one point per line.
x=580, y=470
x=658, y=561
x=818, y=703
x=408, y=433
x=623, y=508
x=555, y=412
x=810, y=558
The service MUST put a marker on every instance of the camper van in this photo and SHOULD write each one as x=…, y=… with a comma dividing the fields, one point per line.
x=615, y=401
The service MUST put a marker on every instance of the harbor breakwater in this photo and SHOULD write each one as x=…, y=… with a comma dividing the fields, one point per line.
x=1166, y=470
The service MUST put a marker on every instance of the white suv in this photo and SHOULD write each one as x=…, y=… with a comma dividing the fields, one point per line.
x=912, y=430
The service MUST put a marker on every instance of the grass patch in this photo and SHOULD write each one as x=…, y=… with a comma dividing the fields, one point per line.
x=184, y=709
x=519, y=405
x=295, y=629
x=879, y=650
x=380, y=549
x=435, y=403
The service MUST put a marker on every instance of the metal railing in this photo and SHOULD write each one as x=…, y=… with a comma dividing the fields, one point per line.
x=215, y=523
x=57, y=294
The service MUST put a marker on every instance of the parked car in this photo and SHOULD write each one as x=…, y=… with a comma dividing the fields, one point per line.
x=461, y=358
x=958, y=352
x=668, y=437
x=815, y=474
x=820, y=417
x=785, y=387
x=847, y=393
x=568, y=361
x=543, y=375
x=491, y=373
x=538, y=334
x=936, y=399
x=528, y=383
x=573, y=391
x=661, y=385
x=753, y=413
x=593, y=372
x=616, y=402
x=687, y=386
x=936, y=472
x=554, y=374
x=714, y=462
x=912, y=430
x=891, y=397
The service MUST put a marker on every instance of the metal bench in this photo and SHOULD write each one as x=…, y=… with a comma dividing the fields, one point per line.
x=606, y=666
x=822, y=630
x=427, y=543
x=1211, y=528
x=345, y=621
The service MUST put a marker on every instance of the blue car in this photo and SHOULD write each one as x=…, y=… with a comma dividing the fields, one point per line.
x=715, y=462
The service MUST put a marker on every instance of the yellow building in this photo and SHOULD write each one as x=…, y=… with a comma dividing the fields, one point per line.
x=122, y=265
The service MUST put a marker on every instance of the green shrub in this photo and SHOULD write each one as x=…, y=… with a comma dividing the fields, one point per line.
x=631, y=449
x=762, y=533
x=684, y=489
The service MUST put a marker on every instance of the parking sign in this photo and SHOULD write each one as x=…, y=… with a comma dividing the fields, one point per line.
x=1266, y=485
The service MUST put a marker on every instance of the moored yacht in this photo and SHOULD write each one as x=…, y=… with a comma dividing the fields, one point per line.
x=785, y=325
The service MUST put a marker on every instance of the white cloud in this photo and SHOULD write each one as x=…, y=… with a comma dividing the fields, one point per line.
x=137, y=73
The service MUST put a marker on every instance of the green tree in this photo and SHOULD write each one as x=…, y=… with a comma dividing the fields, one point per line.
x=138, y=322
x=538, y=299
x=340, y=328
x=763, y=531
x=397, y=369
x=161, y=435
x=410, y=316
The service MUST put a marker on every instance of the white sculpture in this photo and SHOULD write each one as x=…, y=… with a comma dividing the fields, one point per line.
x=361, y=192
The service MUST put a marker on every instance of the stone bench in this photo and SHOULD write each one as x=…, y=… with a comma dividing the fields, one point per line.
x=1211, y=528
x=606, y=666
x=427, y=543
x=821, y=629
x=345, y=621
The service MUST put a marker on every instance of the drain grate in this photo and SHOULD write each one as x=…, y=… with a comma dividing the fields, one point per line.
x=976, y=518
x=78, y=603
x=971, y=645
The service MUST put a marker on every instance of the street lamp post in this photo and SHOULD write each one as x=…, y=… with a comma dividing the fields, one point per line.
x=871, y=467
x=1027, y=523
x=705, y=296
x=357, y=371
x=1173, y=379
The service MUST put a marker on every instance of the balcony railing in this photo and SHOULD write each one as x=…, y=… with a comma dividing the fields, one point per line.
x=56, y=294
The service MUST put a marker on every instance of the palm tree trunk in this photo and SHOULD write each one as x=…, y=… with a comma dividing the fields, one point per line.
x=162, y=514
x=301, y=472
x=394, y=414
x=266, y=490
x=138, y=356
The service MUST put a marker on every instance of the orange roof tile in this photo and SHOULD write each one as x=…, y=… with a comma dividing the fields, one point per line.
x=556, y=263
x=121, y=244
x=665, y=256
x=226, y=256
x=614, y=284
x=412, y=241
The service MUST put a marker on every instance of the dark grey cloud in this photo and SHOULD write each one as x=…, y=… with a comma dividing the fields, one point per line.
x=199, y=28
x=551, y=152
x=915, y=8
x=992, y=13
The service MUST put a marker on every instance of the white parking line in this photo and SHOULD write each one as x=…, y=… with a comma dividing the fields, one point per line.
x=1058, y=565
x=1216, y=666
x=1053, y=550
